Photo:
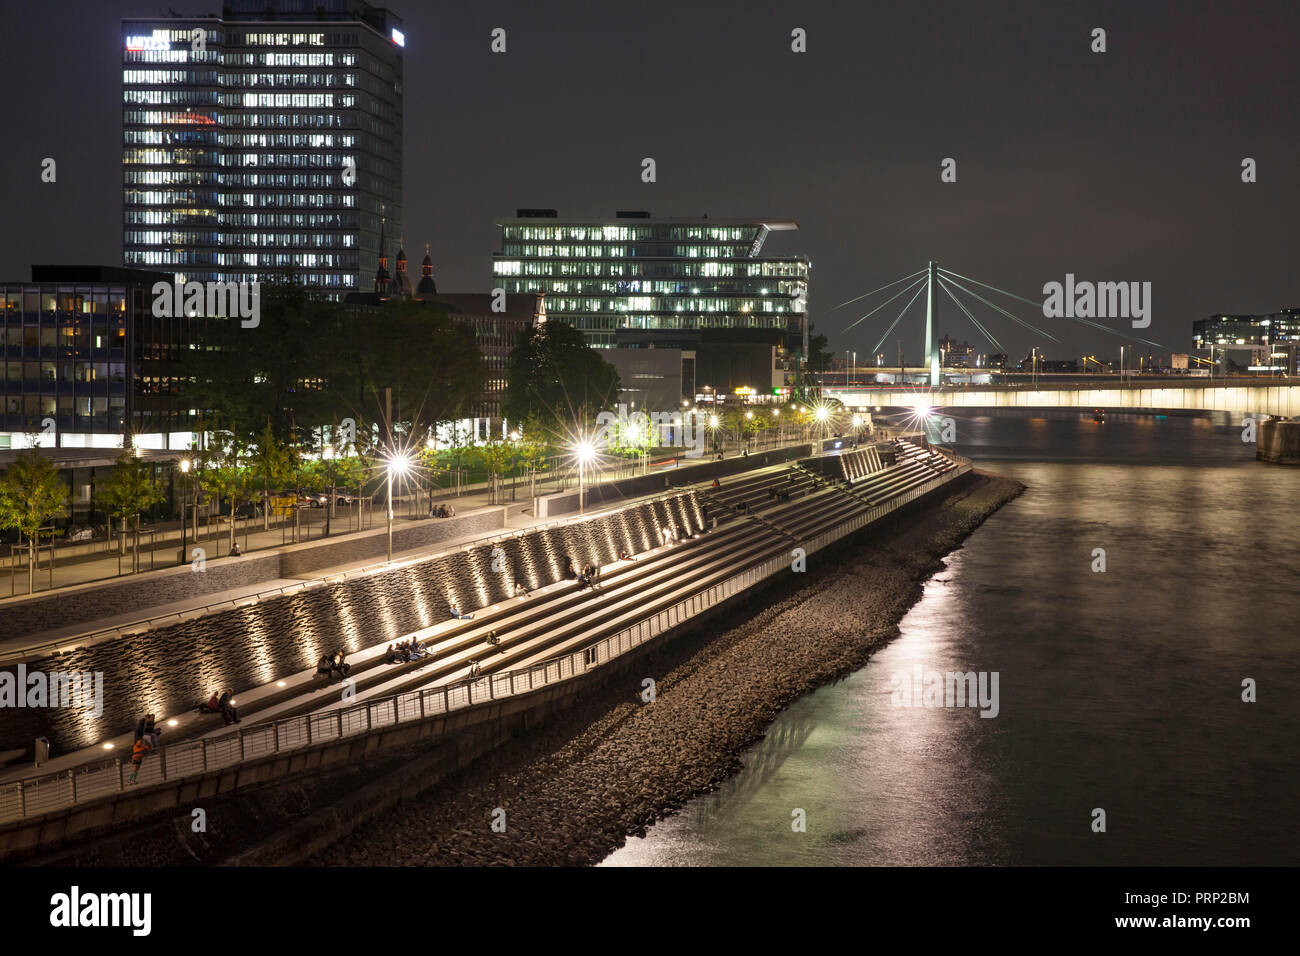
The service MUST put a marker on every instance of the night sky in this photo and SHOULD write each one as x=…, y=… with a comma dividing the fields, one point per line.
x=1117, y=166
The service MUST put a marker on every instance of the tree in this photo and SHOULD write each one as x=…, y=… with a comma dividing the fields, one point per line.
x=495, y=457
x=818, y=358
x=129, y=490
x=272, y=465
x=556, y=379
x=280, y=372
x=533, y=452
x=432, y=364
x=31, y=493
x=228, y=475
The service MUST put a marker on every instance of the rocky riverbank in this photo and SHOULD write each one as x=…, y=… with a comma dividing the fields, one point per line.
x=572, y=791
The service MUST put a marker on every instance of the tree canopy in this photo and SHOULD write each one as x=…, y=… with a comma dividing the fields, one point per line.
x=557, y=380
x=310, y=362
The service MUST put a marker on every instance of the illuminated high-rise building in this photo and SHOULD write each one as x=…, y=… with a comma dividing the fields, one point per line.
x=264, y=139
x=655, y=278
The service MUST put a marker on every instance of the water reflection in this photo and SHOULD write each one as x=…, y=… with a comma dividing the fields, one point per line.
x=1119, y=690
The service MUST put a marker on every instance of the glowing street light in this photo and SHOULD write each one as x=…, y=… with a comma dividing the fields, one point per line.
x=398, y=463
x=185, y=493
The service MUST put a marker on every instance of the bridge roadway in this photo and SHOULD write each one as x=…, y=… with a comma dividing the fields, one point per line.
x=1276, y=397
x=561, y=618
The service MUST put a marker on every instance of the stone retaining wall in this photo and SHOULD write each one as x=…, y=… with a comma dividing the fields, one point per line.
x=172, y=668
x=102, y=599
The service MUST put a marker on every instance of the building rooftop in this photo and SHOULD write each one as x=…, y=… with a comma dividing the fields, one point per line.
x=532, y=216
x=99, y=274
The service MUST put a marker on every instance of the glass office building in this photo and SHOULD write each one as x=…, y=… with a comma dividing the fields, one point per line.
x=1244, y=331
x=659, y=277
x=265, y=139
x=85, y=362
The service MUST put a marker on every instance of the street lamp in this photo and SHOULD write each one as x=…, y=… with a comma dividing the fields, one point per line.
x=185, y=493
x=328, y=455
x=397, y=462
x=584, y=452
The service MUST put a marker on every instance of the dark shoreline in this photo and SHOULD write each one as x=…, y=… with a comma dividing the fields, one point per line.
x=575, y=789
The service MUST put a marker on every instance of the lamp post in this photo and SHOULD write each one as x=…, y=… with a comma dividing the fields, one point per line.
x=397, y=462
x=584, y=452
x=185, y=493
x=328, y=455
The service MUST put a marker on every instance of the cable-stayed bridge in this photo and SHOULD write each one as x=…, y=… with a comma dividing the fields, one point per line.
x=1263, y=396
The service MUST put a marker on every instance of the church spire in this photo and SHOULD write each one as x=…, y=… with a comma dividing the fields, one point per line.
x=383, y=281
x=426, y=286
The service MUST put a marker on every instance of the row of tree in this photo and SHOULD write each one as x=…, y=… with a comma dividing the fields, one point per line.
x=310, y=362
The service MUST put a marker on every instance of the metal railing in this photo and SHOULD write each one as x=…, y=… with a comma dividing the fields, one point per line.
x=43, y=793
x=132, y=628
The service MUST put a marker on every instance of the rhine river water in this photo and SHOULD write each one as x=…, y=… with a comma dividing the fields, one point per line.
x=1119, y=690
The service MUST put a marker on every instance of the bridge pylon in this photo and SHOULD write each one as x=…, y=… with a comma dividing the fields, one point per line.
x=931, y=304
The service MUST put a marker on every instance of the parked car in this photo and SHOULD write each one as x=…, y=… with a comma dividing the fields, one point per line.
x=81, y=534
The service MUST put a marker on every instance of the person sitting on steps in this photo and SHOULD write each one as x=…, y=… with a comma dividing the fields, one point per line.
x=340, y=664
x=228, y=712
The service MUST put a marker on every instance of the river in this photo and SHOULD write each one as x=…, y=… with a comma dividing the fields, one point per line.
x=1118, y=690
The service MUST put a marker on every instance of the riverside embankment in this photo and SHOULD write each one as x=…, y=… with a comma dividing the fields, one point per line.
x=570, y=791
x=582, y=778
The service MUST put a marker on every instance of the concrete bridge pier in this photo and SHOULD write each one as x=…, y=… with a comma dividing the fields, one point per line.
x=1279, y=442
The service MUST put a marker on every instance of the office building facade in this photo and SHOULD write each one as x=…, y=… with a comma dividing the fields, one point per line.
x=1267, y=342
x=268, y=138
x=656, y=277
x=86, y=363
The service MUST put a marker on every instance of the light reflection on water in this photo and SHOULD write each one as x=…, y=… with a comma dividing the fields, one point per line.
x=1118, y=690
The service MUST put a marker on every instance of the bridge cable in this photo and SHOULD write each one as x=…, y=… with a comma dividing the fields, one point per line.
x=954, y=275
x=974, y=321
x=900, y=315
x=1013, y=318
x=881, y=289
x=904, y=291
x=1039, y=305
